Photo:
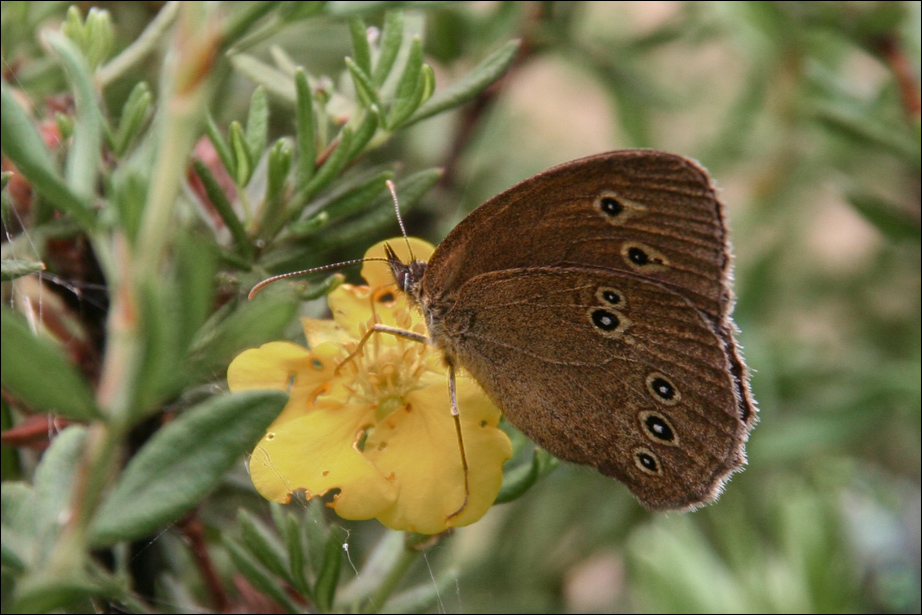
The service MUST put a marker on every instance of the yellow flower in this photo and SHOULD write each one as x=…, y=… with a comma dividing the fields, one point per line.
x=377, y=427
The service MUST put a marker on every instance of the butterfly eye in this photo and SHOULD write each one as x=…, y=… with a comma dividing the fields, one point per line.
x=647, y=461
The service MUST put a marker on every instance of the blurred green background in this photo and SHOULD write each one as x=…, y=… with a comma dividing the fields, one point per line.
x=806, y=114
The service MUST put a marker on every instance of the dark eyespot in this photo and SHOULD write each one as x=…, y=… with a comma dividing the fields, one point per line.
x=643, y=258
x=387, y=297
x=317, y=364
x=605, y=320
x=662, y=389
x=609, y=295
x=638, y=256
x=610, y=206
x=647, y=461
x=658, y=428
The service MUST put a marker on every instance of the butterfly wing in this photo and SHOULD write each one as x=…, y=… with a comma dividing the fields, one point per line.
x=641, y=222
x=605, y=369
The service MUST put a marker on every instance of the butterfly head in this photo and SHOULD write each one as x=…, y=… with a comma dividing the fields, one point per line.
x=407, y=275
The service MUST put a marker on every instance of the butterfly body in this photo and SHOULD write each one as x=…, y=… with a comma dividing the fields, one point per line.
x=592, y=303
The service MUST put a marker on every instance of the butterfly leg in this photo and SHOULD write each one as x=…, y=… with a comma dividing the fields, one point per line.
x=456, y=416
x=410, y=335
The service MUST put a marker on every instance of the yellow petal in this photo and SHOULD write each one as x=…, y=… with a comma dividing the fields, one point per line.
x=316, y=453
x=323, y=331
x=378, y=273
x=418, y=445
x=306, y=375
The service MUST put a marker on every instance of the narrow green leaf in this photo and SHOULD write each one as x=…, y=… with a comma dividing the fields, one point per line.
x=243, y=20
x=361, y=50
x=135, y=112
x=257, y=131
x=363, y=85
x=183, y=462
x=220, y=145
x=471, y=84
x=391, y=39
x=364, y=133
x=36, y=372
x=275, y=81
x=329, y=169
x=328, y=578
x=306, y=131
x=272, y=215
x=407, y=87
x=15, y=268
x=355, y=199
x=409, y=192
x=222, y=205
x=259, y=576
x=21, y=142
x=405, y=107
x=83, y=158
x=243, y=161
x=295, y=545
x=263, y=545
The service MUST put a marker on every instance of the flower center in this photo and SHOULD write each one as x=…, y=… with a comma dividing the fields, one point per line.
x=388, y=368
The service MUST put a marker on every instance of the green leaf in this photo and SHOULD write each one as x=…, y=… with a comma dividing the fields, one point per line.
x=182, y=462
x=329, y=169
x=36, y=372
x=266, y=75
x=38, y=519
x=408, y=93
x=345, y=203
x=471, y=84
x=21, y=142
x=296, y=549
x=361, y=50
x=223, y=206
x=135, y=112
x=364, y=133
x=84, y=156
x=220, y=145
x=243, y=161
x=249, y=324
x=363, y=85
x=306, y=131
x=381, y=211
x=259, y=576
x=391, y=40
x=257, y=131
x=14, y=268
x=263, y=545
x=328, y=578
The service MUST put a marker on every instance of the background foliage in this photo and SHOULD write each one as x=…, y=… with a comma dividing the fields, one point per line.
x=152, y=183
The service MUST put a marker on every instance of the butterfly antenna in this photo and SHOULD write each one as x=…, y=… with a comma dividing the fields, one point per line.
x=293, y=274
x=403, y=230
